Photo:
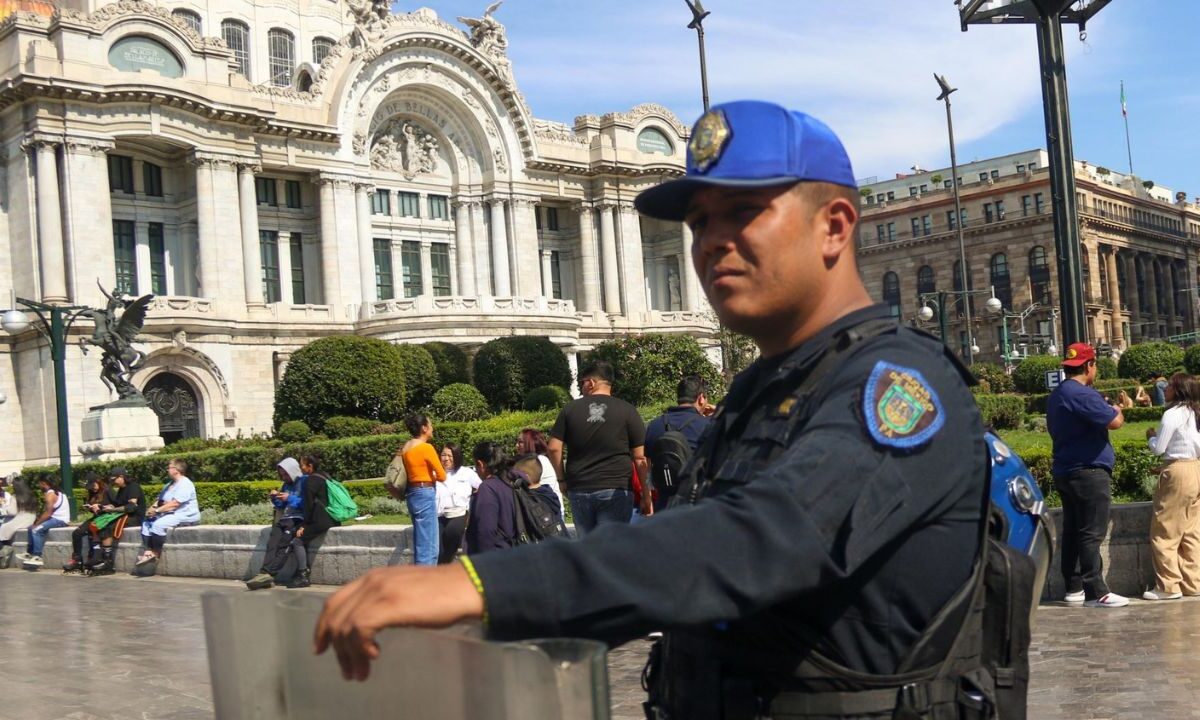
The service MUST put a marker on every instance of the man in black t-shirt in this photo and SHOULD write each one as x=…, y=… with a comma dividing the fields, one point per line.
x=603, y=436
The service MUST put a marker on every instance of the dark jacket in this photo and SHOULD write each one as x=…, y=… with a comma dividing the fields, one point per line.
x=493, y=517
x=131, y=500
x=316, y=500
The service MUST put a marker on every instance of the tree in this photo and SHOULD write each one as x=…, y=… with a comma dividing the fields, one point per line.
x=420, y=375
x=506, y=369
x=342, y=375
x=1146, y=360
x=649, y=367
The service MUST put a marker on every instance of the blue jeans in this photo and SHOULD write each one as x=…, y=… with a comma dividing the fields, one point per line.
x=422, y=508
x=38, y=533
x=595, y=507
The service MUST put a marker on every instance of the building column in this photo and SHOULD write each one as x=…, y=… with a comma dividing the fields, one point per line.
x=500, y=276
x=1131, y=292
x=1168, y=273
x=547, y=275
x=87, y=227
x=464, y=255
x=51, y=255
x=525, y=243
x=480, y=247
x=331, y=288
x=366, y=248
x=1152, y=275
x=141, y=254
x=427, y=268
x=690, y=282
x=1114, y=296
x=608, y=261
x=632, y=261
x=589, y=270
x=206, y=228
x=285, y=268
x=251, y=254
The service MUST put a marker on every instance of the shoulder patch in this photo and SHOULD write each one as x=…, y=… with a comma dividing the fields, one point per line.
x=900, y=408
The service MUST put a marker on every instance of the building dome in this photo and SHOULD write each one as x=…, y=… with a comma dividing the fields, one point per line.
x=38, y=7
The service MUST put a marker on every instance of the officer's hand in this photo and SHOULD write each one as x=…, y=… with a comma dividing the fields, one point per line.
x=390, y=597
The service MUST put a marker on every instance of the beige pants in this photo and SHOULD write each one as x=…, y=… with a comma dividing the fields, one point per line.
x=1175, y=530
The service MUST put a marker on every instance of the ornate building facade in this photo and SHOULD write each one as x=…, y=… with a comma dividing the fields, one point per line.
x=1140, y=253
x=276, y=172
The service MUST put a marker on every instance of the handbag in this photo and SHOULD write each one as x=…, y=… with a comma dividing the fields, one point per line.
x=396, y=476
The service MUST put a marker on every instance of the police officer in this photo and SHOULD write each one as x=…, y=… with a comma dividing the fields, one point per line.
x=814, y=563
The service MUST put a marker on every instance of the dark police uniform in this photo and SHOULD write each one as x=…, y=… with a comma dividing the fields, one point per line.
x=832, y=511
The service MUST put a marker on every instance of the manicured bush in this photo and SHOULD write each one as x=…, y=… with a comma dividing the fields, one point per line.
x=451, y=362
x=546, y=397
x=224, y=442
x=1145, y=360
x=508, y=368
x=294, y=431
x=1142, y=414
x=1002, y=412
x=1191, y=360
x=342, y=375
x=998, y=381
x=649, y=367
x=340, y=426
x=1030, y=374
x=420, y=375
x=257, y=514
x=459, y=402
x=1106, y=368
x=1133, y=473
x=383, y=506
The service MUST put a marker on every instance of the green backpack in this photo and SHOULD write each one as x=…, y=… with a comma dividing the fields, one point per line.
x=341, y=506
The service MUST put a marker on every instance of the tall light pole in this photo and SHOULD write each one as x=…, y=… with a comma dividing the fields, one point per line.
x=697, y=24
x=962, y=251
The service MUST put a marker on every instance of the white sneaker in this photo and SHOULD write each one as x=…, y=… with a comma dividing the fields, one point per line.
x=34, y=561
x=1157, y=594
x=1111, y=600
x=24, y=556
x=1074, y=597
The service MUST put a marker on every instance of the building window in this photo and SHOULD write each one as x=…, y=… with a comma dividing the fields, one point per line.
x=381, y=202
x=125, y=254
x=891, y=292
x=281, y=56
x=926, y=224
x=291, y=193
x=410, y=267
x=237, y=36
x=120, y=174
x=891, y=231
x=1032, y=166
x=1039, y=275
x=912, y=192
x=1026, y=204
x=983, y=177
x=987, y=213
x=891, y=195
x=926, y=282
x=870, y=200
x=1001, y=283
x=879, y=233
x=950, y=219
x=158, y=260
x=385, y=288
x=999, y=209
x=296, y=250
x=1038, y=203
x=947, y=184
x=555, y=275
x=915, y=223
x=265, y=191
x=995, y=174
x=191, y=19
x=439, y=255
x=410, y=204
x=552, y=219
x=439, y=207
x=268, y=247
x=924, y=188
x=152, y=179
x=320, y=49
x=880, y=197
x=1020, y=168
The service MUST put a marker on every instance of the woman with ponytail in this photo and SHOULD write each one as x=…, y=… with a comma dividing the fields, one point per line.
x=492, y=525
x=1175, y=528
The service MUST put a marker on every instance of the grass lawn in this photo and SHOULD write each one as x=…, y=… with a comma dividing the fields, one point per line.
x=397, y=519
x=1024, y=440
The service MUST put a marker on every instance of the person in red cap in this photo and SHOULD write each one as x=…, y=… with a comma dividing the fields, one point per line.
x=1079, y=418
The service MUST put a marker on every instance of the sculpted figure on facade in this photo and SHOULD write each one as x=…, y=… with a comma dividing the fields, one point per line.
x=370, y=17
x=117, y=326
x=405, y=148
x=488, y=34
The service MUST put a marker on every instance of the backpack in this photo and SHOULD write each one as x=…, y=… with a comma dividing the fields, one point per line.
x=341, y=506
x=396, y=476
x=536, y=518
x=668, y=457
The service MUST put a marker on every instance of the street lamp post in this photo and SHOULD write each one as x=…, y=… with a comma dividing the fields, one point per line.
x=938, y=298
x=962, y=252
x=697, y=24
x=55, y=323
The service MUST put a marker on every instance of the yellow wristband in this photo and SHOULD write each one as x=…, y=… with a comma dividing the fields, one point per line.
x=470, y=568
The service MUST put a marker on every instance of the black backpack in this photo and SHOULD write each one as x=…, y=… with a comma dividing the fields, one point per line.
x=668, y=457
x=536, y=518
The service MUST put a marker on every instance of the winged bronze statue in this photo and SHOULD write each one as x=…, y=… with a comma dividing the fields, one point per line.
x=117, y=326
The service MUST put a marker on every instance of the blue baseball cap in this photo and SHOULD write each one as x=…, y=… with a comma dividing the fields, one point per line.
x=750, y=144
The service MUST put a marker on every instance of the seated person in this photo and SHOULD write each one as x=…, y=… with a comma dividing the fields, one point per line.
x=1123, y=400
x=126, y=504
x=289, y=505
x=316, y=520
x=56, y=513
x=1142, y=398
x=20, y=506
x=176, y=505
x=97, y=491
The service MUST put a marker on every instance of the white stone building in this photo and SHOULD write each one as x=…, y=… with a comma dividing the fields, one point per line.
x=279, y=171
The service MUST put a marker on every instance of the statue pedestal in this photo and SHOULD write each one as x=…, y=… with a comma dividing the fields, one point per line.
x=122, y=431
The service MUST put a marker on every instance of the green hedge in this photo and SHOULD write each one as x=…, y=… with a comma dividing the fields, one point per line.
x=1146, y=360
x=648, y=367
x=1133, y=474
x=343, y=375
x=1140, y=414
x=509, y=367
x=546, y=397
x=1030, y=374
x=224, y=495
x=993, y=377
x=1002, y=412
x=340, y=426
x=452, y=363
x=459, y=402
x=420, y=375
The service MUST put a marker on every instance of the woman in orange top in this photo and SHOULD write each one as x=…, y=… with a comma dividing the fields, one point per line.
x=424, y=469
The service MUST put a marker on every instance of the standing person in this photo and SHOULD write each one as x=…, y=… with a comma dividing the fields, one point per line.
x=532, y=441
x=176, y=505
x=56, y=512
x=1078, y=420
x=1175, y=528
x=316, y=520
x=819, y=550
x=1158, y=391
x=454, y=501
x=602, y=435
x=21, y=507
x=493, y=510
x=424, y=469
x=686, y=422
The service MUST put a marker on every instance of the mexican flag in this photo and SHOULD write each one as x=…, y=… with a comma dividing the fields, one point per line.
x=1124, y=107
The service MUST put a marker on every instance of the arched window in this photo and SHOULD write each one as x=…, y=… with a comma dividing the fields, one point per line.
x=304, y=81
x=958, y=287
x=926, y=282
x=192, y=19
x=1001, y=281
x=281, y=56
x=1039, y=276
x=237, y=36
x=891, y=292
x=320, y=49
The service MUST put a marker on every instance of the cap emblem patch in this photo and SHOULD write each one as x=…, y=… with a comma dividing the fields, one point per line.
x=900, y=407
x=1072, y=354
x=709, y=138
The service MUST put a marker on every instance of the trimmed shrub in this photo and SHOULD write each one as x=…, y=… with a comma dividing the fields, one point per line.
x=420, y=375
x=383, y=506
x=1145, y=360
x=1133, y=474
x=508, y=368
x=1191, y=360
x=546, y=397
x=1030, y=374
x=451, y=363
x=1002, y=412
x=257, y=514
x=1142, y=414
x=340, y=426
x=459, y=402
x=294, y=431
x=649, y=367
x=197, y=443
x=998, y=381
x=1106, y=368
x=342, y=375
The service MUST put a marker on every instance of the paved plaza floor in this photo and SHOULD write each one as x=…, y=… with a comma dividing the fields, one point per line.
x=137, y=646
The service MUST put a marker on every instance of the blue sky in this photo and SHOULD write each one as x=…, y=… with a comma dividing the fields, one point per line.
x=865, y=67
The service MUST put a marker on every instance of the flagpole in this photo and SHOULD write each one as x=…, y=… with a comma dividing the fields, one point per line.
x=1125, y=114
